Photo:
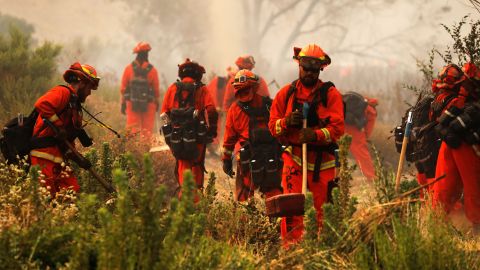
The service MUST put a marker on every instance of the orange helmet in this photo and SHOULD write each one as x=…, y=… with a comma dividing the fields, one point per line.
x=190, y=69
x=244, y=79
x=142, y=47
x=471, y=71
x=77, y=72
x=449, y=77
x=311, y=55
x=245, y=62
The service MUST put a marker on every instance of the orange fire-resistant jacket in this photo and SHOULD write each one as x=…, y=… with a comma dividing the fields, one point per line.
x=229, y=97
x=331, y=132
x=54, y=107
x=237, y=126
x=152, y=78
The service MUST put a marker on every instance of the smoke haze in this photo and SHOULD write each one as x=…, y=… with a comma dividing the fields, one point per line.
x=390, y=34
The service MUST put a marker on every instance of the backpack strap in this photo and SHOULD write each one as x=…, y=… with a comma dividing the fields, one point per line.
x=253, y=113
x=322, y=97
x=322, y=94
x=291, y=91
x=139, y=71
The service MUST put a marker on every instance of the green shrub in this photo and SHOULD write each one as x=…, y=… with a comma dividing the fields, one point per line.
x=25, y=72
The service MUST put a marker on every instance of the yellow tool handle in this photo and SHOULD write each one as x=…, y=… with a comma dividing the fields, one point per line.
x=304, y=163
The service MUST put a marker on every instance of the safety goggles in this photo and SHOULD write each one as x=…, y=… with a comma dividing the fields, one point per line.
x=311, y=69
x=310, y=64
x=244, y=78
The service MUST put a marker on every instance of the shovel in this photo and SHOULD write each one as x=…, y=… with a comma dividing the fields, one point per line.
x=293, y=204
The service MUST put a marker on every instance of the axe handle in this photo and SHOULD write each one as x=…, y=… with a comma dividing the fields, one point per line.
x=406, y=136
x=100, y=179
x=70, y=146
x=400, y=163
x=304, y=163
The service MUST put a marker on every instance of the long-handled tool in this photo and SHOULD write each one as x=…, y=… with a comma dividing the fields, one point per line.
x=74, y=151
x=306, y=107
x=292, y=204
x=406, y=136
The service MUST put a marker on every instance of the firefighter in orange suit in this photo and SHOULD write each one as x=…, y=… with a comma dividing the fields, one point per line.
x=60, y=106
x=192, y=121
x=243, y=62
x=325, y=126
x=247, y=127
x=457, y=96
x=140, y=92
x=360, y=135
x=217, y=88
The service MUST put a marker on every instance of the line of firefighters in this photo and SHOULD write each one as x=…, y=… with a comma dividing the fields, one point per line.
x=263, y=136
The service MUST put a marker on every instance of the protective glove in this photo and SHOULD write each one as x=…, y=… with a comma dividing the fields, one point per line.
x=228, y=167
x=294, y=119
x=307, y=135
x=123, y=109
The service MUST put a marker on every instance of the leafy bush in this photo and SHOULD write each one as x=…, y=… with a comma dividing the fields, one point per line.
x=25, y=72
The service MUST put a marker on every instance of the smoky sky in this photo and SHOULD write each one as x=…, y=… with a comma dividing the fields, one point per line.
x=386, y=33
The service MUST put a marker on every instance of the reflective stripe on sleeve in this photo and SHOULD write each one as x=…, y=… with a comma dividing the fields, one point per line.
x=325, y=131
x=53, y=118
x=47, y=156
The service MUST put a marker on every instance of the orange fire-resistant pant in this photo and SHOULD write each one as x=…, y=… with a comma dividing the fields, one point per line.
x=359, y=150
x=462, y=169
x=423, y=180
x=141, y=122
x=245, y=188
x=56, y=177
x=195, y=166
x=292, y=227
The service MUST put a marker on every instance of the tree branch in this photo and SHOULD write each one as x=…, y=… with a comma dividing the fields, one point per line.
x=269, y=23
x=294, y=33
x=317, y=26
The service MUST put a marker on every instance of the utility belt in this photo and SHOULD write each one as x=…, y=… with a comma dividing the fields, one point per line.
x=263, y=163
x=184, y=132
x=260, y=157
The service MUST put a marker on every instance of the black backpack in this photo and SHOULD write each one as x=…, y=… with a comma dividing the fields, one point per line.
x=355, y=105
x=260, y=155
x=17, y=135
x=139, y=91
x=425, y=143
